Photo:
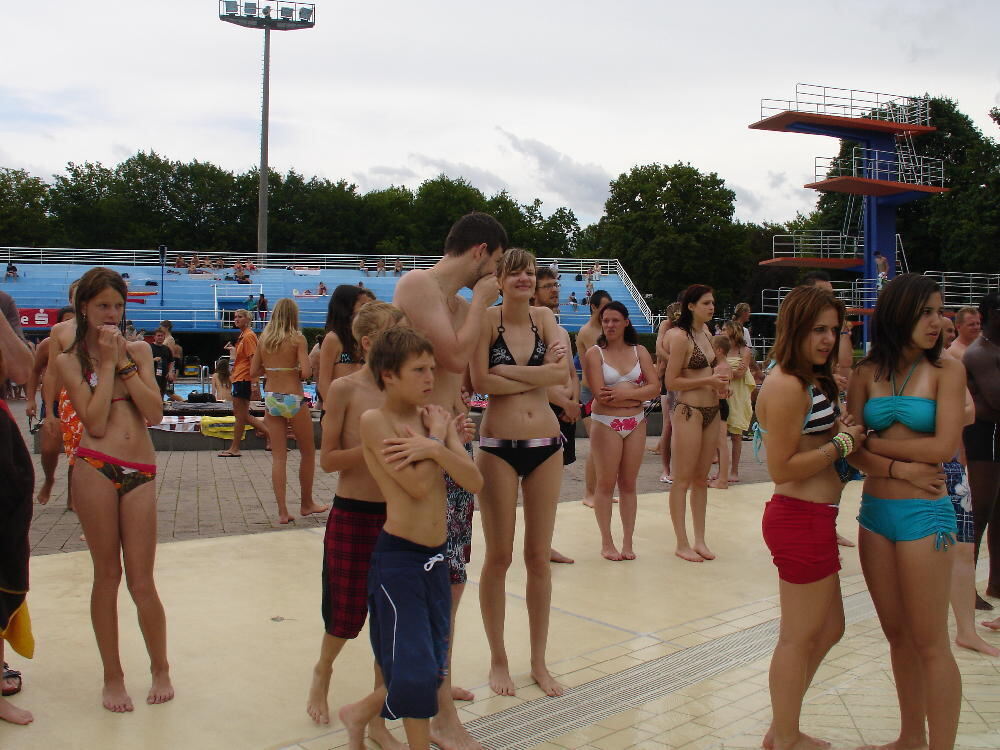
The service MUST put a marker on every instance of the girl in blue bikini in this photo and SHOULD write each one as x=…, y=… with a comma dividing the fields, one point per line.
x=282, y=356
x=912, y=400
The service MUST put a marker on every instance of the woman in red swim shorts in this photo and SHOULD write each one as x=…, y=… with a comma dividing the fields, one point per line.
x=805, y=435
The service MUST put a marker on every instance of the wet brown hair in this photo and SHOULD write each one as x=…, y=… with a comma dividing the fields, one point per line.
x=92, y=283
x=392, y=348
x=796, y=316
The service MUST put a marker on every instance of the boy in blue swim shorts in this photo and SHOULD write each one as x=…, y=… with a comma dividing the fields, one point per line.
x=407, y=444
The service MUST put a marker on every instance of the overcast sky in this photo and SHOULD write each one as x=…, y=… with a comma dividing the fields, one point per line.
x=546, y=99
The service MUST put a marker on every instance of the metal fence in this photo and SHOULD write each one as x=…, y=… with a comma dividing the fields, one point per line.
x=858, y=103
x=873, y=164
x=818, y=243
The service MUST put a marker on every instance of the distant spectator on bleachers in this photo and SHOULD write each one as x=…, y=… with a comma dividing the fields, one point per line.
x=554, y=267
x=588, y=290
x=397, y=267
x=262, y=308
x=363, y=267
x=573, y=300
x=321, y=289
x=11, y=272
x=180, y=263
x=380, y=267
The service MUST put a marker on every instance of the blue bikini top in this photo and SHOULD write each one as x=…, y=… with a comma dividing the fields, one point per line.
x=919, y=414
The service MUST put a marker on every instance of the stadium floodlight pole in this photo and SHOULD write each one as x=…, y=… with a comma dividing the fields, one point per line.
x=279, y=15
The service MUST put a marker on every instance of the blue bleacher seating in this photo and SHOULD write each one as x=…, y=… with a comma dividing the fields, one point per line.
x=191, y=304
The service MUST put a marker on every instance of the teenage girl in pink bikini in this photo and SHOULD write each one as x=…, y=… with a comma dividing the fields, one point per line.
x=111, y=385
x=622, y=376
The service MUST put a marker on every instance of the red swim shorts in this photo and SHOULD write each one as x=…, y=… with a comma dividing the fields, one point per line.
x=802, y=537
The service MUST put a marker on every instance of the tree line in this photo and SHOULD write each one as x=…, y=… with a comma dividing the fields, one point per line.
x=670, y=225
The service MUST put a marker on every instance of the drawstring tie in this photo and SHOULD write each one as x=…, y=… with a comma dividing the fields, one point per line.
x=432, y=561
x=943, y=539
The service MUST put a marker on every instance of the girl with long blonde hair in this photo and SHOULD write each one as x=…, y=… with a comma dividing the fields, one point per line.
x=283, y=358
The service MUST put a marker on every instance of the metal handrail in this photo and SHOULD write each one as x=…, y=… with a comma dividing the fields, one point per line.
x=964, y=289
x=639, y=299
x=874, y=164
x=855, y=103
x=821, y=243
x=346, y=261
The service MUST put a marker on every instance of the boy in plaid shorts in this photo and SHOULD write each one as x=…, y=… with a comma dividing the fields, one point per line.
x=355, y=519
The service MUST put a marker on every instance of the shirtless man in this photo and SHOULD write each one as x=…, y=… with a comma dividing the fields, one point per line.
x=564, y=399
x=968, y=325
x=429, y=299
x=63, y=422
x=982, y=438
x=50, y=442
x=587, y=337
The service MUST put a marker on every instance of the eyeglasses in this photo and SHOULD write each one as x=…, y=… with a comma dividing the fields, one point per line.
x=553, y=285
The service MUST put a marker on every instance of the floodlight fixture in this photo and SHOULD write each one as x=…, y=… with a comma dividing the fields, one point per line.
x=290, y=16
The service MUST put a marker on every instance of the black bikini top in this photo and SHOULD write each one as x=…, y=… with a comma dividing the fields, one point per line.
x=697, y=360
x=500, y=353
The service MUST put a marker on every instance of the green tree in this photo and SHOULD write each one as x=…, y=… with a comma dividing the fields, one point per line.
x=85, y=207
x=438, y=203
x=387, y=220
x=23, y=218
x=672, y=226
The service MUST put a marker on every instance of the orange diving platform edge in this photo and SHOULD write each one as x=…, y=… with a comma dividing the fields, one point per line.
x=867, y=186
x=780, y=122
x=805, y=261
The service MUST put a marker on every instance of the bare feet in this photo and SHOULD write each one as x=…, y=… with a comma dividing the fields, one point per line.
x=804, y=742
x=558, y=557
x=461, y=694
x=351, y=716
x=11, y=713
x=45, y=493
x=611, y=553
x=627, y=552
x=733, y=480
x=718, y=485
x=843, y=541
x=380, y=734
x=162, y=690
x=686, y=553
x=500, y=680
x=316, y=704
x=229, y=454
x=991, y=624
x=547, y=682
x=115, y=698
x=702, y=549
x=588, y=502
x=284, y=518
x=655, y=449
x=308, y=510
x=975, y=643
x=448, y=733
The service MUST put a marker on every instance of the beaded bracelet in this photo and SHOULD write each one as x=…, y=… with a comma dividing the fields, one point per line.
x=844, y=443
x=129, y=369
x=130, y=374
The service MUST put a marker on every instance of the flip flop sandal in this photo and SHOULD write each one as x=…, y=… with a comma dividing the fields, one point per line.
x=11, y=674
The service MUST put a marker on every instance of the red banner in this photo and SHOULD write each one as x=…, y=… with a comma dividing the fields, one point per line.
x=38, y=317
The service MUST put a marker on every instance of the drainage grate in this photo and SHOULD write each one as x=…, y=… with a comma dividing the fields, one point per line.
x=534, y=722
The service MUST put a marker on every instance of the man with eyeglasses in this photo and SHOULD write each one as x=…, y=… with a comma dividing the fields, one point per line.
x=565, y=398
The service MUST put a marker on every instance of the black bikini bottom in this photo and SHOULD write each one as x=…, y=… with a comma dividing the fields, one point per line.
x=524, y=456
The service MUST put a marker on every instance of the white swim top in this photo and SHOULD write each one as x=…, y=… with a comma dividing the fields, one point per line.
x=613, y=377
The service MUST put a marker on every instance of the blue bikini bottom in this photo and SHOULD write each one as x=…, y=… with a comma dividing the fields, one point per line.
x=910, y=519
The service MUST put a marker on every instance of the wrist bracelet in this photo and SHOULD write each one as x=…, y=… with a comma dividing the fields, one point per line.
x=436, y=440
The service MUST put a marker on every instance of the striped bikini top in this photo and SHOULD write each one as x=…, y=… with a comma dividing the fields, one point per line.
x=822, y=414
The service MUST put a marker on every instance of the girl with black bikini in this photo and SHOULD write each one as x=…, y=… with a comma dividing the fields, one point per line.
x=694, y=416
x=111, y=385
x=517, y=358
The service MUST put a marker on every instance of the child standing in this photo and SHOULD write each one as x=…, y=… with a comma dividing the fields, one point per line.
x=407, y=444
x=356, y=517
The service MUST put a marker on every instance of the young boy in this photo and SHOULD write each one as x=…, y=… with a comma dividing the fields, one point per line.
x=721, y=346
x=407, y=444
x=355, y=519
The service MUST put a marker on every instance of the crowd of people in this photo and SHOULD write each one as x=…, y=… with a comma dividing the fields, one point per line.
x=394, y=383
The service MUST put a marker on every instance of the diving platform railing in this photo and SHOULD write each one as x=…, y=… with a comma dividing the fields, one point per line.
x=872, y=164
x=816, y=243
x=964, y=289
x=855, y=103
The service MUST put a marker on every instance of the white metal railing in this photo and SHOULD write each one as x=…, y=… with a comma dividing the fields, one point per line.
x=882, y=165
x=639, y=299
x=859, y=293
x=964, y=289
x=856, y=103
x=821, y=243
